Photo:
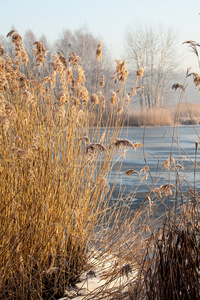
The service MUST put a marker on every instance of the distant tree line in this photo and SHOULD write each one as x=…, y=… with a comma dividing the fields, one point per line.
x=82, y=42
x=147, y=48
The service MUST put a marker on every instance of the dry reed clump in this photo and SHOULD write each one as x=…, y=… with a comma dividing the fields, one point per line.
x=171, y=268
x=152, y=117
x=189, y=113
x=54, y=169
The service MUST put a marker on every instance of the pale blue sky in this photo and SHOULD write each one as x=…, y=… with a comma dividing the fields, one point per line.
x=106, y=19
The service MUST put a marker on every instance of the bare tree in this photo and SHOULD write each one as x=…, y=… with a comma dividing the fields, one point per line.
x=152, y=49
x=84, y=44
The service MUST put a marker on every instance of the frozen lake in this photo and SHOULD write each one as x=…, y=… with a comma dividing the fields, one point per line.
x=157, y=143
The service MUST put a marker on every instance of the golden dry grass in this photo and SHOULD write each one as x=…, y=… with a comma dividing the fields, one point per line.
x=56, y=204
x=54, y=171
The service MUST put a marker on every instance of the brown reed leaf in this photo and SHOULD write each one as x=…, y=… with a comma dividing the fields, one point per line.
x=130, y=172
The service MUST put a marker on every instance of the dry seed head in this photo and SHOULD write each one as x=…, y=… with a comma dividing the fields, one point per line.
x=25, y=58
x=140, y=72
x=74, y=59
x=40, y=48
x=70, y=75
x=84, y=94
x=102, y=81
x=64, y=97
x=130, y=172
x=196, y=145
x=124, y=76
x=62, y=59
x=94, y=99
x=167, y=189
x=76, y=101
x=113, y=98
x=128, y=100
x=146, y=168
x=138, y=145
x=124, y=143
x=177, y=86
x=178, y=166
x=16, y=39
x=118, y=66
x=81, y=117
x=98, y=52
x=120, y=110
x=102, y=99
x=81, y=76
x=96, y=146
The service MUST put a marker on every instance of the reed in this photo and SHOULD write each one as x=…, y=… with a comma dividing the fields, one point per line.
x=56, y=208
x=55, y=167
